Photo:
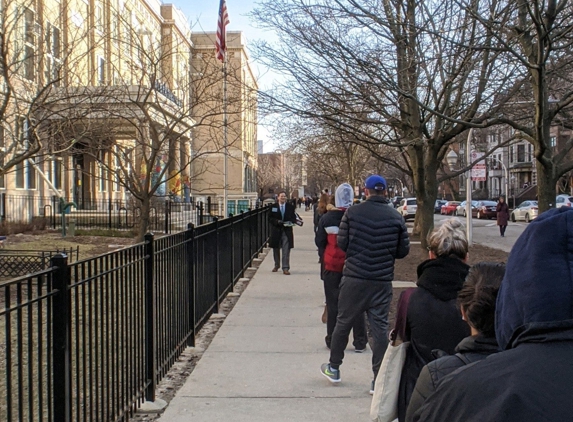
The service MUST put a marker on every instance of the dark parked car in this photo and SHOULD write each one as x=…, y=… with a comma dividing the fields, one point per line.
x=396, y=201
x=485, y=209
x=449, y=208
x=438, y=206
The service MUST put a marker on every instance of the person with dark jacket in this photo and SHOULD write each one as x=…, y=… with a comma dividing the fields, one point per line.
x=332, y=259
x=432, y=318
x=373, y=235
x=282, y=219
x=476, y=301
x=530, y=379
x=502, y=215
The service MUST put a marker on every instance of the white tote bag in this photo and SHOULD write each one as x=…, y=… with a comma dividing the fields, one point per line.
x=384, y=406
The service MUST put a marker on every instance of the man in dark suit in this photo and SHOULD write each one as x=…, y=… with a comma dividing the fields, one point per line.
x=282, y=219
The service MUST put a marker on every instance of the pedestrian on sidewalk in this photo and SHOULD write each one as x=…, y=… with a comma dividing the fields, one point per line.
x=432, y=318
x=332, y=259
x=476, y=302
x=320, y=209
x=373, y=235
x=530, y=379
x=282, y=219
x=502, y=210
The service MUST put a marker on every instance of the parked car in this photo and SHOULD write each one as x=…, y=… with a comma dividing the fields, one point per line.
x=449, y=208
x=485, y=209
x=438, y=206
x=563, y=201
x=527, y=211
x=408, y=207
x=461, y=210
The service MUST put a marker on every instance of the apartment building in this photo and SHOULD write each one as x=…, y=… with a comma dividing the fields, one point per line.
x=240, y=133
x=99, y=102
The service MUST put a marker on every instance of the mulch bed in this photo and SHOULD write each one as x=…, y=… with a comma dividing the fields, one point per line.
x=405, y=269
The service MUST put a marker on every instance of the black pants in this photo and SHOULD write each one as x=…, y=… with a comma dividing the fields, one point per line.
x=358, y=296
x=331, y=281
x=502, y=230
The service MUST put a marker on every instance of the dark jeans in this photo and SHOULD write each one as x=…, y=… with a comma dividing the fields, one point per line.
x=502, y=230
x=331, y=291
x=358, y=296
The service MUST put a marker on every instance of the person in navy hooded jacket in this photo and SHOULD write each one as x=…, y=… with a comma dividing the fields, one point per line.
x=531, y=379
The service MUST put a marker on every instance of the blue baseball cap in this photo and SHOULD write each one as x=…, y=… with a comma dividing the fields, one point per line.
x=375, y=182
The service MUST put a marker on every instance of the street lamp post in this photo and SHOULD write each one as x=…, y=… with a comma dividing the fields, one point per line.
x=469, y=222
x=452, y=159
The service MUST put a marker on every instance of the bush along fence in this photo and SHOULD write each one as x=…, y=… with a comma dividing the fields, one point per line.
x=90, y=340
x=166, y=216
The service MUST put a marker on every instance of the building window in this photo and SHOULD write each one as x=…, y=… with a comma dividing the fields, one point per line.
x=100, y=70
x=117, y=168
x=511, y=154
x=2, y=155
x=99, y=18
x=27, y=51
x=25, y=176
x=53, y=58
x=102, y=172
x=56, y=171
x=521, y=153
x=553, y=141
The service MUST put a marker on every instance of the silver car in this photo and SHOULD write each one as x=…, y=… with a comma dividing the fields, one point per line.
x=408, y=207
x=563, y=201
x=526, y=211
x=461, y=209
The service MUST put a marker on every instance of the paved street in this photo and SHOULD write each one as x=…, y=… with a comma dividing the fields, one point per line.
x=263, y=364
x=486, y=232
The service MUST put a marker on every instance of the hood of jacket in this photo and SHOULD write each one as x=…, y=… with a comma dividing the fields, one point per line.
x=344, y=196
x=443, y=277
x=477, y=344
x=536, y=294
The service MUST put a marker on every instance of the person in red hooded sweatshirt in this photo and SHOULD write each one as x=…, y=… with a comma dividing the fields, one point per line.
x=332, y=258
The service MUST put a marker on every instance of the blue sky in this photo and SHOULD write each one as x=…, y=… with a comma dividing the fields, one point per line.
x=203, y=15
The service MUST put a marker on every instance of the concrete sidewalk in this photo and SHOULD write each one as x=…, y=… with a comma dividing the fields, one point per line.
x=264, y=363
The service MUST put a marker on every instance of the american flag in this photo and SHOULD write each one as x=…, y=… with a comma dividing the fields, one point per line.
x=221, y=40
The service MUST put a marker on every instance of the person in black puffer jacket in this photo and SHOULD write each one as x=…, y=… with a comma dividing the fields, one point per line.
x=476, y=301
x=432, y=318
x=373, y=235
x=332, y=259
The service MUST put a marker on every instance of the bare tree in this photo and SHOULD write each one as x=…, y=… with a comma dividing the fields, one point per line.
x=406, y=74
x=537, y=36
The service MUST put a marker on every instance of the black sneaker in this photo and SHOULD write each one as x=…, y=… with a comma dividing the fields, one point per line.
x=372, y=387
x=333, y=375
x=359, y=350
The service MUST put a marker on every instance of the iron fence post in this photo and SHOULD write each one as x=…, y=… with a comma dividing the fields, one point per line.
x=242, y=241
x=250, y=222
x=3, y=204
x=150, y=323
x=109, y=225
x=167, y=215
x=232, y=252
x=191, y=259
x=217, y=270
x=200, y=213
x=61, y=339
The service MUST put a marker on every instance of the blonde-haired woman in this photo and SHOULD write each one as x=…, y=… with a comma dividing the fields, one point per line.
x=432, y=318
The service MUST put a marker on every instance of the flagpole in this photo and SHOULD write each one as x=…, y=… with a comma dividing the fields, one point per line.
x=225, y=146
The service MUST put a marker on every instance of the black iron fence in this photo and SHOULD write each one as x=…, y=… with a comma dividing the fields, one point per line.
x=166, y=215
x=90, y=340
x=15, y=262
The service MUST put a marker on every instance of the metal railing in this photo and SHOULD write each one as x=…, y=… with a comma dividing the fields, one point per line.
x=166, y=215
x=17, y=262
x=90, y=340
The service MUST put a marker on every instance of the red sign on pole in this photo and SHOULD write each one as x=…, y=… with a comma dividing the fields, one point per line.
x=478, y=169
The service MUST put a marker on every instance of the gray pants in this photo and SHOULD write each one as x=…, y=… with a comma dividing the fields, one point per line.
x=286, y=253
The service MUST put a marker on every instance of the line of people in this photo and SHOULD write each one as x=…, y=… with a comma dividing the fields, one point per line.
x=480, y=348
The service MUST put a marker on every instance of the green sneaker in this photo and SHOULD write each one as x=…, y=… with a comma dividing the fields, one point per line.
x=333, y=375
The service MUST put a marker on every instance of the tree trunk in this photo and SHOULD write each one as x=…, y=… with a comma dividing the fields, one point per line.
x=546, y=182
x=424, y=169
x=143, y=227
